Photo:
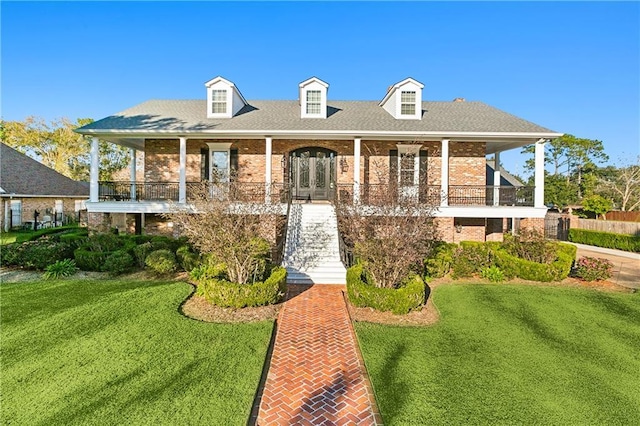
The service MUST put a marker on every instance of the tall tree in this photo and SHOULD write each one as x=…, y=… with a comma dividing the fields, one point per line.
x=622, y=185
x=56, y=145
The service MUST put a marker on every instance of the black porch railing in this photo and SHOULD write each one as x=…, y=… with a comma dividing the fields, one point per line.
x=370, y=194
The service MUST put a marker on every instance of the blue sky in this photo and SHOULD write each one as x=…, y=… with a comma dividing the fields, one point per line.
x=573, y=67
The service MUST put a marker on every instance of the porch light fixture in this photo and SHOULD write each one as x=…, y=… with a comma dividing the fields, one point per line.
x=458, y=227
x=344, y=166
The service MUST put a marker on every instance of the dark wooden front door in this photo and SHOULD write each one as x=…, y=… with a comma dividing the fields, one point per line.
x=313, y=173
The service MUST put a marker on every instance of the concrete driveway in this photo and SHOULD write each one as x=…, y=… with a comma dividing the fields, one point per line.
x=626, y=265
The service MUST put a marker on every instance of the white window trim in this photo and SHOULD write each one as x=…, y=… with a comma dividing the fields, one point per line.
x=210, y=113
x=323, y=103
x=219, y=147
x=415, y=96
x=410, y=149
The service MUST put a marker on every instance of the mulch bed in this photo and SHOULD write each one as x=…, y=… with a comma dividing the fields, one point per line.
x=198, y=308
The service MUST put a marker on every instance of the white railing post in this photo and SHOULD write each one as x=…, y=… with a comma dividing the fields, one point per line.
x=132, y=153
x=182, y=184
x=444, y=178
x=267, y=169
x=538, y=199
x=496, y=179
x=356, y=170
x=94, y=185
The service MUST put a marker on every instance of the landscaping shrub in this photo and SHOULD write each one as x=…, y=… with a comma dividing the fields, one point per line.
x=593, y=268
x=557, y=270
x=36, y=254
x=493, y=274
x=605, y=239
x=187, y=259
x=89, y=260
x=118, y=262
x=141, y=252
x=397, y=300
x=530, y=245
x=162, y=262
x=209, y=271
x=60, y=269
x=471, y=257
x=233, y=295
x=439, y=262
x=54, y=232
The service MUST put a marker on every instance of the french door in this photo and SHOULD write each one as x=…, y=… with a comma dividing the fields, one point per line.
x=313, y=173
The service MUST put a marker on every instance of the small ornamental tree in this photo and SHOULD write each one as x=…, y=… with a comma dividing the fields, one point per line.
x=391, y=233
x=226, y=231
x=598, y=205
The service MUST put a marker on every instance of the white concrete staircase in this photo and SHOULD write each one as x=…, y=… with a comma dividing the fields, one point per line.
x=312, y=251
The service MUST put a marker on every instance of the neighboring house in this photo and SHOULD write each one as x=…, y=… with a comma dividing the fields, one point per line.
x=432, y=152
x=27, y=186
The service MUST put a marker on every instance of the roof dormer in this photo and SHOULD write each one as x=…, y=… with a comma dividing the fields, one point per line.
x=404, y=100
x=313, y=98
x=224, y=100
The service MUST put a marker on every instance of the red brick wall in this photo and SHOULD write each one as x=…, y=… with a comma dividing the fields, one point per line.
x=467, y=163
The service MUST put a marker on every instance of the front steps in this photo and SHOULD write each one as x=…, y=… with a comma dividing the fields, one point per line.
x=312, y=252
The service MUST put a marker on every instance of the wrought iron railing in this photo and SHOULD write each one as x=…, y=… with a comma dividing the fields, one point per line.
x=249, y=192
x=277, y=254
x=482, y=195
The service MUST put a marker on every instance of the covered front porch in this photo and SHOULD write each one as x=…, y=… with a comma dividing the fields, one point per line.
x=449, y=173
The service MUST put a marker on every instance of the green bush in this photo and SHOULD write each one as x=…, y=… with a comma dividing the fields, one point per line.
x=232, y=295
x=439, y=262
x=557, y=270
x=118, y=262
x=162, y=262
x=187, y=259
x=493, y=274
x=141, y=252
x=90, y=260
x=399, y=301
x=209, y=271
x=60, y=269
x=36, y=254
x=471, y=257
x=593, y=268
x=104, y=243
x=54, y=232
x=605, y=239
x=531, y=245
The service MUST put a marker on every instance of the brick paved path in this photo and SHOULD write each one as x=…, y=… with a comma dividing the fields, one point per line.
x=316, y=376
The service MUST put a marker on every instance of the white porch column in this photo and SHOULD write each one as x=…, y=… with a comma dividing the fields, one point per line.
x=538, y=199
x=267, y=169
x=182, y=184
x=132, y=155
x=444, y=178
x=94, y=186
x=356, y=170
x=496, y=179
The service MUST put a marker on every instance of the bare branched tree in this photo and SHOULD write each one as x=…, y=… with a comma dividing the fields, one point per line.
x=230, y=232
x=391, y=234
x=624, y=185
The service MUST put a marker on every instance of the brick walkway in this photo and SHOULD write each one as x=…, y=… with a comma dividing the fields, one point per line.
x=316, y=376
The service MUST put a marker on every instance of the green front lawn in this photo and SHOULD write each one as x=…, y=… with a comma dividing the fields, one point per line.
x=511, y=355
x=119, y=352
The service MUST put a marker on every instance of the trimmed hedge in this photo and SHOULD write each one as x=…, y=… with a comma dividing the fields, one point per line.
x=605, y=239
x=58, y=231
x=162, y=261
x=399, y=301
x=36, y=254
x=558, y=270
x=232, y=295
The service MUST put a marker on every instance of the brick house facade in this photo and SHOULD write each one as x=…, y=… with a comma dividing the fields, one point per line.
x=319, y=149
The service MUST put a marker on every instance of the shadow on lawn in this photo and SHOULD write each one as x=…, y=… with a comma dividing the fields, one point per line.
x=394, y=391
x=87, y=404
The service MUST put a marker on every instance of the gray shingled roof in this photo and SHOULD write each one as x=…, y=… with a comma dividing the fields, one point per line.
x=506, y=178
x=190, y=116
x=20, y=174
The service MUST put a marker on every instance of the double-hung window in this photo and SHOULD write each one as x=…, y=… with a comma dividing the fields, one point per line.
x=408, y=102
x=314, y=101
x=219, y=101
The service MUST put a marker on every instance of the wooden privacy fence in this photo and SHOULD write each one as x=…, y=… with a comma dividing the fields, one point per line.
x=616, y=227
x=624, y=216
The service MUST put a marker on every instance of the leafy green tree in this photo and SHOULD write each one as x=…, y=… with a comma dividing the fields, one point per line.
x=559, y=192
x=597, y=204
x=56, y=145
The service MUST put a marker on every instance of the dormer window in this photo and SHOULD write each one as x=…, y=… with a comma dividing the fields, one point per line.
x=408, y=102
x=313, y=98
x=224, y=100
x=403, y=100
x=219, y=101
x=314, y=101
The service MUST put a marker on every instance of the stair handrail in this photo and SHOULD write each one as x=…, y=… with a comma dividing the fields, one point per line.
x=283, y=241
